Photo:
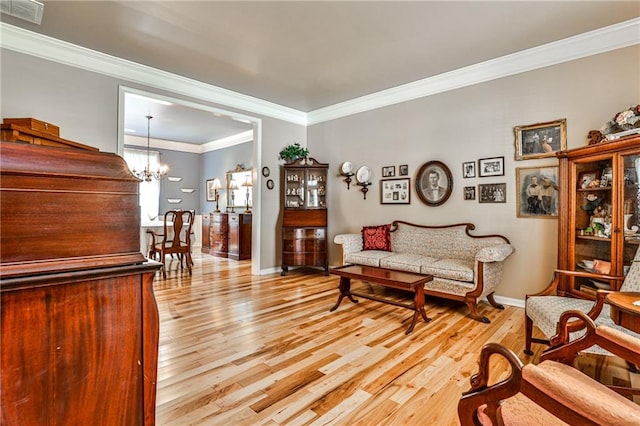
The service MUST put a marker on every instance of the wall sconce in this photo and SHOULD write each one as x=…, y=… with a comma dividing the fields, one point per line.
x=363, y=178
x=247, y=184
x=233, y=187
x=346, y=170
x=216, y=188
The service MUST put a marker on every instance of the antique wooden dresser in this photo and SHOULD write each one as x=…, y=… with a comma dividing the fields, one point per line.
x=79, y=322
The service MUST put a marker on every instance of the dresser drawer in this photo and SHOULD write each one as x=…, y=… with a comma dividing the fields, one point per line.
x=304, y=233
x=304, y=259
x=305, y=245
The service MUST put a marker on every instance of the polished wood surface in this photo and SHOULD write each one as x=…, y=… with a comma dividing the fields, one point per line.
x=623, y=310
x=78, y=318
x=36, y=132
x=398, y=280
x=238, y=349
x=66, y=209
x=240, y=236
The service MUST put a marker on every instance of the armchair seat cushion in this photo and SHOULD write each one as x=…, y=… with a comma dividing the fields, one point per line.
x=545, y=311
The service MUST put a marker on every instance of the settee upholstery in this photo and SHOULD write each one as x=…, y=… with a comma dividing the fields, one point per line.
x=464, y=267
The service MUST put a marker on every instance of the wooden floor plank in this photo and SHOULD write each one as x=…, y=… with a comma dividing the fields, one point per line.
x=246, y=350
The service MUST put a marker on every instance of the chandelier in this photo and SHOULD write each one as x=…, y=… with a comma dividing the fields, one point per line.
x=147, y=174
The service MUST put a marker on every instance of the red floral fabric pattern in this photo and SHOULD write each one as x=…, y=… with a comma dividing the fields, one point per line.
x=376, y=237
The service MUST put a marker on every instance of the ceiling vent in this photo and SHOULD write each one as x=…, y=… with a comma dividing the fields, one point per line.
x=29, y=10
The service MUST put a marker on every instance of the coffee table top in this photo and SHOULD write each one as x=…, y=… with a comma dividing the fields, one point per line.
x=381, y=275
x=625, y=301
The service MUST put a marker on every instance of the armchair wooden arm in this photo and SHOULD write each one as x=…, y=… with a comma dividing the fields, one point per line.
x=563, y=392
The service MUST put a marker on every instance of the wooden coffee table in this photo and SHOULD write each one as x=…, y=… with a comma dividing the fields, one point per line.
x=407, y=281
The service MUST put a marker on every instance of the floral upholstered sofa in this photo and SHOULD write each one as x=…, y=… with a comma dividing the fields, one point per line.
x=464, y=267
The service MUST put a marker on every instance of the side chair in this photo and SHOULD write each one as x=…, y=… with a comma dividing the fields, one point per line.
x=553, y=392
x=545, y=308
x=175, y=239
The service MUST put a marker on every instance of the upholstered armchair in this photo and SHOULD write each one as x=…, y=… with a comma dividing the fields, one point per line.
x=553, y=392
x=544, y=309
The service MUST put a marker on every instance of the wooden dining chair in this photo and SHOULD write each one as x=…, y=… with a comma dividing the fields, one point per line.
x=175, y=239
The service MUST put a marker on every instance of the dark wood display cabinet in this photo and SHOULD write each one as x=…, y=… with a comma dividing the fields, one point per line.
x=599, y=219
x=79, y=324
x=304, y=218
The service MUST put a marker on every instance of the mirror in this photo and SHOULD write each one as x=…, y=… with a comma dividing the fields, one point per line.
x=239, y=193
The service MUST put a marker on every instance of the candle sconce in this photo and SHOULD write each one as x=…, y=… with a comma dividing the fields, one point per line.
x=346, y=170
x=363, y=177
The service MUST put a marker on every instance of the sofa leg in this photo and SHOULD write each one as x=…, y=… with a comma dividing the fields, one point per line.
x=493, y=302
x=473, y=308
x=528, y=331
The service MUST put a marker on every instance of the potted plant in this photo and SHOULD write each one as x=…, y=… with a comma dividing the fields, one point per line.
x=291, y=153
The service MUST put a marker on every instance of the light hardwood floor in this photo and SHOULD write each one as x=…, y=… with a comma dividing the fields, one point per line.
x=237, y=349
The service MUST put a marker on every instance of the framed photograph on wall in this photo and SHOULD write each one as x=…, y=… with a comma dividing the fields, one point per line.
x=540, y=140
x=537, y=191
x=469, y=169
x=388, y=171
x=492, y=193
x=434, y=183
x=491, y=166
x=403, y=169
x=395, y=191
x=469, y=192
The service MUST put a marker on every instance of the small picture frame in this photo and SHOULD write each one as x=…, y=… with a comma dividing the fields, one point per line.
x=388, y=171
x=492, y=193
x=491, y=166
x=403, y=170
x=470, y=192
x=270, y=184
x=469, y=170
x=395, y=191
x=537, y=192
x=540, y=140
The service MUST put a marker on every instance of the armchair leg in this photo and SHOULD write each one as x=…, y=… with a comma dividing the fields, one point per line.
x=528, y=332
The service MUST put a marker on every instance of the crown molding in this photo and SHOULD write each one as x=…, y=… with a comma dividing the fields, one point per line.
x=38, y=45
x=226, y=142
x=602, y=40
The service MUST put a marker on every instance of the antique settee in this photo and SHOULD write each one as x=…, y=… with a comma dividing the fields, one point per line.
x=464, y=267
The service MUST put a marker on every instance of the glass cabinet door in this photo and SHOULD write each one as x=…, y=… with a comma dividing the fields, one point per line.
x=594, y=212
x=294, y=188
x=316, y=188
x=630, y=208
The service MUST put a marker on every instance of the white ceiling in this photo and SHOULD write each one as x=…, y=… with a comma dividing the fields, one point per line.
x=308, y=55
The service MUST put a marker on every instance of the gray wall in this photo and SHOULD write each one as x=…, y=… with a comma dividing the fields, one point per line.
x=466, y=125
x=85, y=106
x=216, y=164
x=453, y=127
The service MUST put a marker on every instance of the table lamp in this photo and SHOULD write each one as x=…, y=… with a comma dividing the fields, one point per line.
x=216, y=188
x=233, y=187
x=247, y=184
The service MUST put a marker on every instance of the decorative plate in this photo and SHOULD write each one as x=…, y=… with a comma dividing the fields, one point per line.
x=347, y=167
x=363, y=175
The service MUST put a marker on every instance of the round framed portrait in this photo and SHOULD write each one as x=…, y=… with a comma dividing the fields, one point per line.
x=270, y=184
x=265, y=171
x=434, y=183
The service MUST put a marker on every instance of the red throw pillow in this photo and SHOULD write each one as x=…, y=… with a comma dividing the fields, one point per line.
x=376, y=237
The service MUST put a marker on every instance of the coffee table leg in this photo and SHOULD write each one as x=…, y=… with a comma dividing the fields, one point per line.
x=418, y=308
x=345, y=290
